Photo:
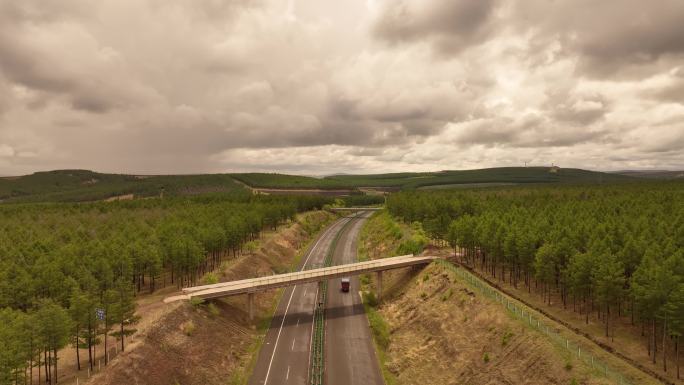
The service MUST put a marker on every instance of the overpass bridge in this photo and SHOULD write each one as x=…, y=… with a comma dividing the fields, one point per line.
x=355, y=208
x=255, y=285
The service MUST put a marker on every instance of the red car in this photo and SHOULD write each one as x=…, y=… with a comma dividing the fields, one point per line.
x=345, y=285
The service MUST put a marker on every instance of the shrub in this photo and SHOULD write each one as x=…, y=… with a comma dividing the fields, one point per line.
x=506, y=337
x=423, y=295
x=188, y=328
x=426, y=277
x=379, y=328
x=251, y=246
x=447, y=294
x=210, y=278
x=213, y=310
x=370, y=299
x=568, y=366
x=485, y=357
x=196, y=302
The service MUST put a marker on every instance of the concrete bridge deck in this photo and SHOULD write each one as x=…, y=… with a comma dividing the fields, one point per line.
x=356, y=208
x=253, y=285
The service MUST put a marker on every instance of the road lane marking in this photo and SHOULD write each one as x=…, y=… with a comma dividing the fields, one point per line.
x=305, y=291
x=313, y=322
x=287, y=376
x=293, y=341
x=294, y=288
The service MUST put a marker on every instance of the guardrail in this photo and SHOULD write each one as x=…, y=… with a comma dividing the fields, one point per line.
x=317, y=369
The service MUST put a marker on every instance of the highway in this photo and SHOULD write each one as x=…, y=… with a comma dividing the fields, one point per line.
x=349, y=352
x=284, y=355
x=350, y=358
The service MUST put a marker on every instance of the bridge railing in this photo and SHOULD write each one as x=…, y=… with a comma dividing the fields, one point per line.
x=317, y=274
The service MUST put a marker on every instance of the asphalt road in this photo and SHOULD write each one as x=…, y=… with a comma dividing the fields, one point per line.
x=349, y=352
x=284, y=355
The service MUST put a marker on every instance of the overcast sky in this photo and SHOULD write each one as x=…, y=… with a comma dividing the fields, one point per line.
x=355, y=86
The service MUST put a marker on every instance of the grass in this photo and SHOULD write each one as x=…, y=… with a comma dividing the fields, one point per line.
x=447, y=294
x=381, y=335
x=380, y=232
x=189, y=328
x=586, y=370
x=506, y=337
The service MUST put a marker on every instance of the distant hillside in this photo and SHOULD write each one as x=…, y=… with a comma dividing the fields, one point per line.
x=654, y=174
x=83, y=185
x=283, y=181
x=498, y=176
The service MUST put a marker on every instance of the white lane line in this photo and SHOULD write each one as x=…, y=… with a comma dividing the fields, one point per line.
x=287, y=376
x=278, y=337
x=292, y=347
x=297, y=321
x=305, y=289
x=275, y=346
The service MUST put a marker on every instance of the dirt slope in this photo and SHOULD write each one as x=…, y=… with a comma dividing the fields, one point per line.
x=441, y=332
x=213, y=343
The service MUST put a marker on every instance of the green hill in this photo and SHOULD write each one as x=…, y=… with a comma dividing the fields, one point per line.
x=283, y=181
x=499, y=175
x=83, y=185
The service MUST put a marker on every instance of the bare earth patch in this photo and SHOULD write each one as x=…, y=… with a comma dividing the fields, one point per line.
x=441, y=332
x=211, y=343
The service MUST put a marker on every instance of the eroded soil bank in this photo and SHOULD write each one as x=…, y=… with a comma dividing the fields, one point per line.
x=442, y=332
x=214, y=343
x=431, y=328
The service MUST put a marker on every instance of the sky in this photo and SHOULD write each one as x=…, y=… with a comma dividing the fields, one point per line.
x=357, y=86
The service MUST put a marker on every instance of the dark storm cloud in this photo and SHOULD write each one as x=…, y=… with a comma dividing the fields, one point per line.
x=450, y=24
x=529, y=131
x=155, y=86
x=611, y=38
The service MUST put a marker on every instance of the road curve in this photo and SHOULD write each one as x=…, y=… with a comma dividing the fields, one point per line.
x=349, y=352
x=284, y=355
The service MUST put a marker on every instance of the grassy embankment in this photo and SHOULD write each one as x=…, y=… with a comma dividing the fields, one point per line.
x=432, y=327
x=383, y=237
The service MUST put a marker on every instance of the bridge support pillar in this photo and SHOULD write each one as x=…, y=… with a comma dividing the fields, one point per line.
x=378, y=284
x=250, y=305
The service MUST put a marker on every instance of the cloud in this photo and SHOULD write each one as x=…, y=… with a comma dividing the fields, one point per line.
x=450, y=25
x=576, y=108
x=639, y=36
x=178, y=86
x=6, y=151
